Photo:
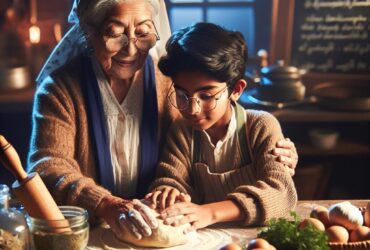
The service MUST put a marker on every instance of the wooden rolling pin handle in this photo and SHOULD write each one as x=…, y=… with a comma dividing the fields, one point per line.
x=31, y=190
x=10, y=159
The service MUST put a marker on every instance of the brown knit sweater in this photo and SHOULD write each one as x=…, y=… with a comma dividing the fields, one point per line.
x=61, y=150
x=263, y=189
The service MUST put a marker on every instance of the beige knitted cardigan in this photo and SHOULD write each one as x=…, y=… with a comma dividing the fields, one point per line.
x=61, y=149
x=263, y=189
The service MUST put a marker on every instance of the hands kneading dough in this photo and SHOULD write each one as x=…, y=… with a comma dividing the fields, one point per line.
x=162, y=236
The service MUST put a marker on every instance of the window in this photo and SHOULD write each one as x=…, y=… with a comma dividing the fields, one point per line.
x=251, y=17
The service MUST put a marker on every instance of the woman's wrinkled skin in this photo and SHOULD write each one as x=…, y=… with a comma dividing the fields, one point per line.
x=121, y=67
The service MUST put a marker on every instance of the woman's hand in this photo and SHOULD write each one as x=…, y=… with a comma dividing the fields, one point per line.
x=135, y=215
x=287, y=154
x=198, y=216
x=166, y=197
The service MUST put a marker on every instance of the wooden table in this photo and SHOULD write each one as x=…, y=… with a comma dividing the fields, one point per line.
x=227, y=233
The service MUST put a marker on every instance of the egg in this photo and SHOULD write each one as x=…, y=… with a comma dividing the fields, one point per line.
x=231, y=246
x=367, y=215
x=259, y=243
x=360, y=234
x=312, y=221
x=321, y=213
x=345, y=214
x=337, y=234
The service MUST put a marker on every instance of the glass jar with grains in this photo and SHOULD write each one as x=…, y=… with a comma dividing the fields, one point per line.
x=13, y=226
x=71, y=233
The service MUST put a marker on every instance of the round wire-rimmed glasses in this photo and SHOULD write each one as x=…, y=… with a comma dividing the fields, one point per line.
x=143, y=41
x=206, y=101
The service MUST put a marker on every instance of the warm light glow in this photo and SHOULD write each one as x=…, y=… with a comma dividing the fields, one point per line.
x=33, y=14
x=34, y=33
x=57, y=31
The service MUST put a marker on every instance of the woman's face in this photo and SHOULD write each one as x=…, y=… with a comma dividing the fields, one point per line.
x=133, y=19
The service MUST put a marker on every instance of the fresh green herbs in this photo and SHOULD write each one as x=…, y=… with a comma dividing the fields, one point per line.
x=285, y=234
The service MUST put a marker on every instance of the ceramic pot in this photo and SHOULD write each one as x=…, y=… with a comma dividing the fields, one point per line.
x=280, y=83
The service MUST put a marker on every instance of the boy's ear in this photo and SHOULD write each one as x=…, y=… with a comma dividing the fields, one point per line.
x=238, y=89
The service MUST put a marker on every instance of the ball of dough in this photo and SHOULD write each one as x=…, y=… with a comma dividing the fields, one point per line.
x=162, y=236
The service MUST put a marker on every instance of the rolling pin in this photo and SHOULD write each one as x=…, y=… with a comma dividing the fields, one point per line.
x=29, y=189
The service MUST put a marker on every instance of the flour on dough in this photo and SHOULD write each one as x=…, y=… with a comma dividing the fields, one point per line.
x=163, y=236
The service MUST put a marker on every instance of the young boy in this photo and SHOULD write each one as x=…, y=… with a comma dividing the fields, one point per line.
x=219, y=153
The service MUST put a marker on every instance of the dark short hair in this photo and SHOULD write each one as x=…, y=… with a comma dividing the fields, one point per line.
x=209, y=48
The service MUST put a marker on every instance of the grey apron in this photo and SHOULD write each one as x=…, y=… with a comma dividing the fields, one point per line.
x=212, y=187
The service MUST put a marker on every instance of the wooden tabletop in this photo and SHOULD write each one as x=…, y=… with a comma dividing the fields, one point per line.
x=217, y=236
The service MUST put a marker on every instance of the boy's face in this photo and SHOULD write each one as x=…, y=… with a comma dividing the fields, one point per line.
x=203, y=102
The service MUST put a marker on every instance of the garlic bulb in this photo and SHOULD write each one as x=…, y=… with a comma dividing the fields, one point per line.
x=345, y=214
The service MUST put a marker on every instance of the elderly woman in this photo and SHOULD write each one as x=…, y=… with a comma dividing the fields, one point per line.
x=100, y=111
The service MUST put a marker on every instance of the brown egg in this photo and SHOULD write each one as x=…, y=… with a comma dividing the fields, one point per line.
x=312, y=221
x=367, y=215
x=321, y=213
x=360, y=234
x=258, y=243
x=231, y=246
x=337, y=234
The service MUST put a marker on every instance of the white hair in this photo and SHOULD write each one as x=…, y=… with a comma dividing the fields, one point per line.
x=91, y=13
x=87, y=13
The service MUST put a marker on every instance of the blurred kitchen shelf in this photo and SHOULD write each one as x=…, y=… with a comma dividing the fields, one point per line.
x=343, y=148
x=307, y=112
x=314, y=114
x=16, y=101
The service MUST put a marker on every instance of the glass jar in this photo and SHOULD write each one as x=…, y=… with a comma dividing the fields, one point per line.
x=71, y=233
x=13, y=226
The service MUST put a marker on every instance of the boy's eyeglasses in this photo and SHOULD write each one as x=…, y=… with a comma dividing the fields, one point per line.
x=206, y=101
x=143, y=42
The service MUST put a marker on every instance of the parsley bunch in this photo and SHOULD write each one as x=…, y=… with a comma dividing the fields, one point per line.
x=284, y=234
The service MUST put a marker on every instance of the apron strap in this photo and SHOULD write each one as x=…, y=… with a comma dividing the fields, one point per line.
x=241, y=137
x=196, y=146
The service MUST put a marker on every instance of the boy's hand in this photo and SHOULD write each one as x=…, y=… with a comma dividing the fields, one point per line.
x=198, y=216
x=168, y=196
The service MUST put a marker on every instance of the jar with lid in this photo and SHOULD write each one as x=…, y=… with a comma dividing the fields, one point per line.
x=14, y=233
x=71, y=233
